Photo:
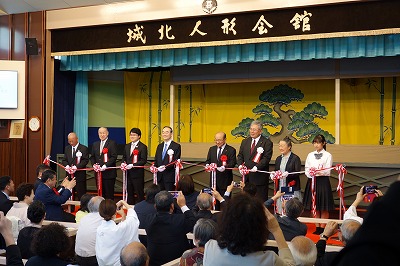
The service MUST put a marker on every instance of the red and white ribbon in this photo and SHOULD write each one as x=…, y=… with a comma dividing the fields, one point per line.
x=212, y=167
x=105, y=154
x=154, y=170
x=340, y=188
x=276, y=176
x=257, y=157
x=124, y=181
x=243, y=171
x=46, y=160
x=97, y=169
x=224, y=159
x=178, y=167
x=135, y=153
x=170, y=153
x=312, y=173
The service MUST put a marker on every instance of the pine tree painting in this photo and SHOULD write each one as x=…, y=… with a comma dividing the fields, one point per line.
x=299, y=126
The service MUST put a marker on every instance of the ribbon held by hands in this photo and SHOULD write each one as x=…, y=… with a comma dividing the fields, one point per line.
x=97, y=169
x=124, y=168
x=154, y=170
x=46, y=160
x=178, y=167
x=340, y=188
x=312, y=173
x=243, y=171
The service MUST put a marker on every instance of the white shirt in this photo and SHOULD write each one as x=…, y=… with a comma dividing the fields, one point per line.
x=85, y=244
x=20, y=210
x=325, y=161
x=133, y=145
x=111, y=238
x=351, y=214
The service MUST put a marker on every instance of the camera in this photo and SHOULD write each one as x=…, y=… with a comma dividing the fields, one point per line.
x=289, y=193
x=174, y=194
x=370, y=189
x=236, y=184
x=207, y=190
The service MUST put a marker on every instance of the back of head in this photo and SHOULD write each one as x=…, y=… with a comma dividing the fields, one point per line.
x=294, y=208
x=204, y=201
x=36, y=211
x=4, y=181
x=85, y=201
x=50, y=240
x=250, y=189
x=186, y=184
x=24, y=189
x=163, y=201
x=303, y=251
x=94, y=203
x=107, y=209
x=348, y=229
x=204, y=230
x=151, y=192
x=134, y=254
x=243, y=225
x=41, y=168
x=48, y=174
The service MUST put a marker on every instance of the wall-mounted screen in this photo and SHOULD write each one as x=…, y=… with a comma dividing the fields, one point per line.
x=8, y=89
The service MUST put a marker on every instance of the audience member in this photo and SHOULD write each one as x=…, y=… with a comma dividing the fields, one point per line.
x=39, y=171
x=166, y=231
x=85, y=243
x=53, y=199
x=19, y=209
x=250, y=189
x=186, y=185
x=134, y=254
x=303, y=251
x=347, y=230
x=83, y=210
x=13, y=255
x=204, y=230
x=47, y=244
x=243, y=232
x=111, y=237
x=6, y=187
x=146, y=207
x=203, y=208
x=35, y=213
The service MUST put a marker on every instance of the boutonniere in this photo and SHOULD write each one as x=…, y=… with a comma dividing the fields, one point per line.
x=105, y=151
x=135, y=153
x=257, y=157
x=170, y=153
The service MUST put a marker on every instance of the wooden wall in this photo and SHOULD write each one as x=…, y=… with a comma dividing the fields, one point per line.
x=14, y=153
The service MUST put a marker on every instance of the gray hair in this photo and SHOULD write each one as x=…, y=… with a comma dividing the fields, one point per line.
x=257, y=123
x=204, y=230
x=294, y=208
x=303, y=250
x=163, y=200
x=349, y=228
x=94, y=203
x=204, y=201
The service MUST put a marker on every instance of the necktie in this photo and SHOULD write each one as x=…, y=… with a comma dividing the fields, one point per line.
x=73, y=152
x=101, y=146
x=219, y=153
x=253, y=145
x=164, y=151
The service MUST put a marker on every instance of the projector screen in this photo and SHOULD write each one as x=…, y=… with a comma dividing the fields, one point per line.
x=8, y=89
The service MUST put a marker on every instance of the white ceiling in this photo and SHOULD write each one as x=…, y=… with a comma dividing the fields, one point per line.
x=22, y=6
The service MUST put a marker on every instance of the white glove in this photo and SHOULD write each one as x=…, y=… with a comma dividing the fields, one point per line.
x=104, y=167
x=221, y=168
x=254, y=169
x=240, y=167
x=207, y=164
x=161, y=168
x=129, y=166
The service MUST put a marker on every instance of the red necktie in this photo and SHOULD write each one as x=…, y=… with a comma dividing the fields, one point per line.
x=253, y=146
x=55, y=191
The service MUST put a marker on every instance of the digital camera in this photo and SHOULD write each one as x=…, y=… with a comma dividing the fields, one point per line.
x=289, y=193
x=207, y=190
x=370, y=189
x=174, y=194
x=236, y=184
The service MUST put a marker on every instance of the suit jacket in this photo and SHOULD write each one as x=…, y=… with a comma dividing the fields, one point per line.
x=169, y=173
x=71, y=160
x=324, y=258
x=5, y=203
x=13, y=256
x=141, y=159
x=166, y=236
x=96, y=157
x=246, y=157
x=293, y=165
x=52, y=201
x=290, y=227
x=224, y=178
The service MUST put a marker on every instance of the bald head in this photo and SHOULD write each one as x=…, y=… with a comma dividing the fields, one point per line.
x=103, y=133
x=72, y=139
x=134, y=254
x=220, y=139
x=348, y=229
x=303, y=251
x=94, y=203
x=204, y=201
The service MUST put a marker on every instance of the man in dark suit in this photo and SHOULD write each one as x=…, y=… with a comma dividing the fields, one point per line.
x=78, y=155
x=135, y=154
x=7, y=187
x=167, y=152
x=221, y=149
x=166, y=231
x=104, y=152
x=255, y=153
x=53, y=198
x=39, y=171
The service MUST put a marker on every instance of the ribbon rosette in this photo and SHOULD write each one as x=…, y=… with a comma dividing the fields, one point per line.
x=154, y=170
x=105, y=151
x=46, y=160
x=224, y=158
x=78, y=155
x=340, y=187
x=312, y=172
x=170, y=153
x=257, y=157
x=178, y=167
x=70, y=170
x=243, y=171
x=135, y=155
x=97, y=169
x=124, y=167
x=211, y=167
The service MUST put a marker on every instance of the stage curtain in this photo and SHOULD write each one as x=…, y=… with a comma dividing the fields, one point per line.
x=81, y=107
x=346, y=47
